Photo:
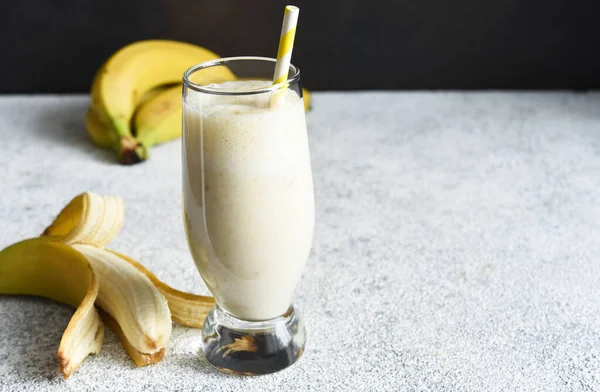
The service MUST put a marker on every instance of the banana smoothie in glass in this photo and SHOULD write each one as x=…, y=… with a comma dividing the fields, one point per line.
x=248, y=209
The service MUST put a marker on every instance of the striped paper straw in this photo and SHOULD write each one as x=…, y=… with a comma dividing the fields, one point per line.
x=286, y=44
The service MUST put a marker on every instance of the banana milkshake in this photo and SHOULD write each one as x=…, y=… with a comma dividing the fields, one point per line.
x=248, y=194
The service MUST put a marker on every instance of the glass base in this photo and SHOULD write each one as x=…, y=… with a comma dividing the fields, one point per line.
x=252, y=347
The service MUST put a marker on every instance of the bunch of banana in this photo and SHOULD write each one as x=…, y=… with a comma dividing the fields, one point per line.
x=125, y=78
x=69, y=264
x=136, y=96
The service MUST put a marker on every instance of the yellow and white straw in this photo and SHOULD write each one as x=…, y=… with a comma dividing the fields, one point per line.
x=286, y=44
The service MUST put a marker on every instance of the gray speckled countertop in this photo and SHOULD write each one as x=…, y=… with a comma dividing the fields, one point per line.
x=456, y=247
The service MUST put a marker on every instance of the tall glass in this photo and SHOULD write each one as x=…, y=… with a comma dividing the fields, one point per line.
x=248, y=208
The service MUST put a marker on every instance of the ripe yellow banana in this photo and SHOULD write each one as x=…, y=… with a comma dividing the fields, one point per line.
x=68, y=264
x=98, y=128
x=307, y=99
x=52, y=270
x=133, y=71
x=159, y=119
x=98, y=125
x=154, y=92
x=156, y=120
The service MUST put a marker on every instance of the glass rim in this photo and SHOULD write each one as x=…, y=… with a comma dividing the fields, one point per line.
x=293, y=78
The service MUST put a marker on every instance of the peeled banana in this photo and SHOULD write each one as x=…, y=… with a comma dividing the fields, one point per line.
x=131, y=299
x=69, y=264
x=48, y=269
x=186, y=309
x=88, y=219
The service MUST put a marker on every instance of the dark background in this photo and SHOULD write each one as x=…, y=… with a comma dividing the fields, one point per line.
x=55, y=46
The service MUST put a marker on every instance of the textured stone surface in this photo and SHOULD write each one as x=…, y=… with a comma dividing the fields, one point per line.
x=456, y=245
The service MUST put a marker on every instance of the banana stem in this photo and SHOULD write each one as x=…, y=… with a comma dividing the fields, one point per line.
x=131, y=151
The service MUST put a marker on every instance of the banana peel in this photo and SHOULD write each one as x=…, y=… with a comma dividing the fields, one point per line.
x=131, y=299
x=139, y=358
x=69, y=264
x=44, y=268
x=96, y=219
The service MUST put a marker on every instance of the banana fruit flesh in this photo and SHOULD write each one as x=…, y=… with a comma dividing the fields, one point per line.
x=88, y=219
x=131, y=299
x=70, y=264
